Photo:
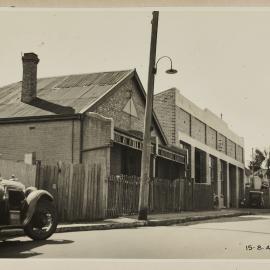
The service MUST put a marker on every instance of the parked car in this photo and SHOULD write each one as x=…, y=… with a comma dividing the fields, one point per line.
x=256, y=199
x=27, y=208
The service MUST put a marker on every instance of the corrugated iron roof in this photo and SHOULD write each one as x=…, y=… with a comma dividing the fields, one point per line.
x=76, y=91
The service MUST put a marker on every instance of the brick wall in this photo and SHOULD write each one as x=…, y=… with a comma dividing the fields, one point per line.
x=182, y=121
x=96, y=131
x=174, y=119
x=211, y=137
x=114, y=105
x=52, y=140
x=98, y=156
x=164, y=106
x=96, y=140
x=29, y=82
x=230, y=148
x=197, y=129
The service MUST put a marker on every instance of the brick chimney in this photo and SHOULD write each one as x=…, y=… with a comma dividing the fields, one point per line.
x=29, y=82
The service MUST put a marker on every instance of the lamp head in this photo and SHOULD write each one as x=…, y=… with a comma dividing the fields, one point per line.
x=171, y=71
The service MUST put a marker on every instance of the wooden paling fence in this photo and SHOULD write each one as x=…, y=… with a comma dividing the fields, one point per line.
x=197, y=196
x=166, y=195
x=203, y=197
x=188, y=195
x=123, y=195
x=77, y=189
x=83, y=192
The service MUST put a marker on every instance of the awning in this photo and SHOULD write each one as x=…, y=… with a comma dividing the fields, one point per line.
x=156, y=149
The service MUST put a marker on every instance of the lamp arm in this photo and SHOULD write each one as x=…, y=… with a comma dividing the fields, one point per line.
x=165, y=56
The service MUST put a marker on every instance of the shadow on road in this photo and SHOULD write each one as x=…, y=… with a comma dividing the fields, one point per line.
x=24, y=249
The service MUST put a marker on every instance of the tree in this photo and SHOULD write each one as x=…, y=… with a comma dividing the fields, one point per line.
x=260, y=160
x=256, y=163
x=267, y=163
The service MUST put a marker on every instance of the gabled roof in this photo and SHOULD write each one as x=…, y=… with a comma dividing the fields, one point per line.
x=71, y=94
x=75, y=91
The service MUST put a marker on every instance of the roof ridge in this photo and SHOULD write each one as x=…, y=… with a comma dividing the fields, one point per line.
x=87, y=73
x=109, y=90
x=72, y=92
x=67, y=75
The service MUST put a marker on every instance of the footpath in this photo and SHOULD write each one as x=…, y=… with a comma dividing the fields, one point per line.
x=153, y=220
x=158, y=220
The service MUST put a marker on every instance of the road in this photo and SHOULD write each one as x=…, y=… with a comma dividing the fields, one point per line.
x=221, y=238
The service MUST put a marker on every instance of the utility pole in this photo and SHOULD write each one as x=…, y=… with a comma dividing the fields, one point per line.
x=146, y=152
x=252, y=167
x=252, y=162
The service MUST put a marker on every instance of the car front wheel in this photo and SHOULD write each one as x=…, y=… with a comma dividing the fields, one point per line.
x=44, y=221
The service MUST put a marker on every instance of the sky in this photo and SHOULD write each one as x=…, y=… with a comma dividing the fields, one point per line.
x=222, y=56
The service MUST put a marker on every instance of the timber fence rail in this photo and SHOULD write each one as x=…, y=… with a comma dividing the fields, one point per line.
x=123, y=195
x=165, y=195
x=83, y=192
x=203, y=196
x=77, y=190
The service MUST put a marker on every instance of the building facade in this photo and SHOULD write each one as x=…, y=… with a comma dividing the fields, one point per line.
x=83, y=118
x=216, y=154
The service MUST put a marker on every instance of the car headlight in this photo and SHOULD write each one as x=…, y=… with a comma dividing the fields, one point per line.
x=5, y=196
x=2, y=192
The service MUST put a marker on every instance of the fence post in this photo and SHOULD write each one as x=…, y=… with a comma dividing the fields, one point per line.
x=37, y=180
x=104, y=191
x=192, y=193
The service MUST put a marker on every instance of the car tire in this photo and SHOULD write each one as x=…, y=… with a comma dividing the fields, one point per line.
x=33, y=230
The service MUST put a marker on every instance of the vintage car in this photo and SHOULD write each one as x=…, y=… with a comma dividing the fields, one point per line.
x=27, y=208
x=256, y=199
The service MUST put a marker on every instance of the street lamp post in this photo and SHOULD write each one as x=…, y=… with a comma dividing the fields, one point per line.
x=146, y=151
x=169, y=71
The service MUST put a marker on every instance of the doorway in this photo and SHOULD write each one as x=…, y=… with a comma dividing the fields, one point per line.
x=200, y=166
x=232, y=179
x=223, y=179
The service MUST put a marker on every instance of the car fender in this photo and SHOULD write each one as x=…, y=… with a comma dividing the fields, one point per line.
x=31, y=203
x=29, y=190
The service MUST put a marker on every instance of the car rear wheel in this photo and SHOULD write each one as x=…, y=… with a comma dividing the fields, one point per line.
x=43, y=223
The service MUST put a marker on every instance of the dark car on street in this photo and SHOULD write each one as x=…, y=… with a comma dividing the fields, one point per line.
x=29, y=209
x=256, y=199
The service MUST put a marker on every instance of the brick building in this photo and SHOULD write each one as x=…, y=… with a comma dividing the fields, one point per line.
x=83, y=118
x=216, y=154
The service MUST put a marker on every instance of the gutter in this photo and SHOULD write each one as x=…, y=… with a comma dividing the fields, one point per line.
x=42, y=118
x=97, y=147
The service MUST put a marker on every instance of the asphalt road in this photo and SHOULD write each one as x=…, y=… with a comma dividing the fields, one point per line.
x=222, y=238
